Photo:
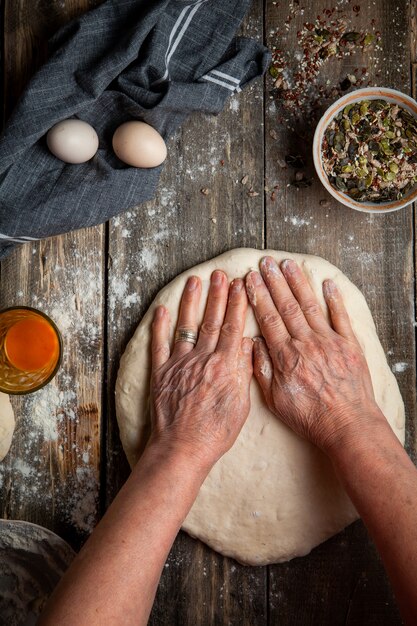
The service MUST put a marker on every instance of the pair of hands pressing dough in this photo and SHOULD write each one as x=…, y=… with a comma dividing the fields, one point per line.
x=314, y=378
x=312, y=372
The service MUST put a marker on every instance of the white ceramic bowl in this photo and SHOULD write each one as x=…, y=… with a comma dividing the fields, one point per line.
x=369, y=93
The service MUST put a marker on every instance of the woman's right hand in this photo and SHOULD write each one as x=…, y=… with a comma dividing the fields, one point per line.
x=314, y=375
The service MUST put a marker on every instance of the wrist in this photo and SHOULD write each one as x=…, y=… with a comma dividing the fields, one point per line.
x=355, y=429
x=178, y=460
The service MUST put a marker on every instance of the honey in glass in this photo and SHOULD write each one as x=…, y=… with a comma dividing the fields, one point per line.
x=30, y=350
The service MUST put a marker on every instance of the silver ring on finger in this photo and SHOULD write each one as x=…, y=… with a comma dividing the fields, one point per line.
x=187, y=335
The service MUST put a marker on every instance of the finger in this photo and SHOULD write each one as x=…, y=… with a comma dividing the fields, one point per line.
x=263, y=368
x=338, y=314
x=298, y=286
x=245, y=361
x=286, y=304
x=160, y=338
x=231, y=333
x=215, y=310
x=270, y=322
x=188, y=315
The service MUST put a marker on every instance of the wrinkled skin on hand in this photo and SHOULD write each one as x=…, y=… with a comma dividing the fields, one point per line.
x=200, y=394
x=313, y=375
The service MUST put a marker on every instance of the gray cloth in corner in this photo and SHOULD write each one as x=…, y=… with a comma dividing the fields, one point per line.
x=132, y=59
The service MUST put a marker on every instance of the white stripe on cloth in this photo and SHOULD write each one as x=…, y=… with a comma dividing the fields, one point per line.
x=226, y=76
x=171, y=37
x=17, y=239
x=220, y=82
x=172, y=46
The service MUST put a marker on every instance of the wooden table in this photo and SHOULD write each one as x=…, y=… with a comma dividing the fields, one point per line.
x=66, y=462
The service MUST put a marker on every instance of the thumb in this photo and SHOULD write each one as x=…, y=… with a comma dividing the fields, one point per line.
x=262, y=367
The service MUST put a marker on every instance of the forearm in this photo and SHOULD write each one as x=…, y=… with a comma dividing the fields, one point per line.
x=381, y=480
x=115, y=576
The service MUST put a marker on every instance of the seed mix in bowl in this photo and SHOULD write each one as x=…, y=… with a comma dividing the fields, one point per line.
x=369, y=151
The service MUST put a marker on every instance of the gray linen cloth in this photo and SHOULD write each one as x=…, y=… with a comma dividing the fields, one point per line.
x=127, y=59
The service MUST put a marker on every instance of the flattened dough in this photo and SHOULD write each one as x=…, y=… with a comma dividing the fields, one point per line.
x=6, y=425
x=273, y=496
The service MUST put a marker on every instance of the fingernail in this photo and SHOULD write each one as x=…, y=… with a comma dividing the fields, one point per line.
x=217, y=278
x=159, y=313
x=192, y=283
x=247, y=346
x=255, y=278
x=329, y=288
x=267, y=262
x=257, y=341
x=270, y=266
x=289, y=266
x=236, y=285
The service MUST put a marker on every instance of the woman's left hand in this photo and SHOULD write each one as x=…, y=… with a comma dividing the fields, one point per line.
x=200, y=394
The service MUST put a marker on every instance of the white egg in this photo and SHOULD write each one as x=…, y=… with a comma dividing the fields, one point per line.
x=73, y=141
x=139, y=145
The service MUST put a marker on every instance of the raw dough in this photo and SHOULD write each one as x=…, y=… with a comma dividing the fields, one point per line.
x=273, y=496
x=6, y=425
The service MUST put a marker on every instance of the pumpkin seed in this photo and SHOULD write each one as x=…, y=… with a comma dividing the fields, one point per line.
x=368, y=39
x=295, y=161
x=340, y=184
x=351, y=37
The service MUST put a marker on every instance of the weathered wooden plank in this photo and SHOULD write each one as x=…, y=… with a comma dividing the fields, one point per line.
x=413, y=54
x=148, y=247
x=51, y=475
x=335, y=585
x=342, y=581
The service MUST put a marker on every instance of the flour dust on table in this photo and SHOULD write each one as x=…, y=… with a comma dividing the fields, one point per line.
x=273, y=496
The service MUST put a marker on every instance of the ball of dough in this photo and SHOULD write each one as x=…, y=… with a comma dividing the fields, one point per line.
x=73, y=141
x=7, y=425
x=273, y=496
x=139, y=145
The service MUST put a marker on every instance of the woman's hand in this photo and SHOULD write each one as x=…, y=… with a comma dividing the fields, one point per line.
x=200, y=394
x=313, y=374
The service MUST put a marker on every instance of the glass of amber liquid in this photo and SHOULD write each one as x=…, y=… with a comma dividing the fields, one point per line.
x=30, y=350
